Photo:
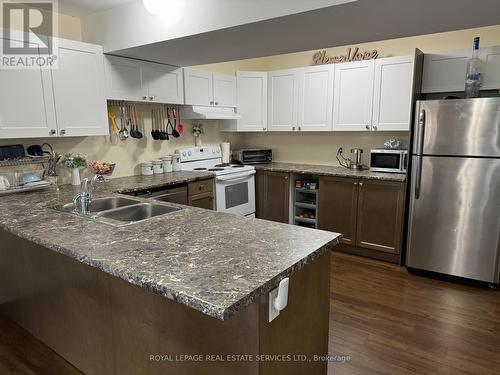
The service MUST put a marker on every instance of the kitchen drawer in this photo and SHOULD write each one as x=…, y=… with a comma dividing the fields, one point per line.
x=199, y=187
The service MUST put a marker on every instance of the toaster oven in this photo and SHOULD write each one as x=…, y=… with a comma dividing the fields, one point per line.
x=253, y=156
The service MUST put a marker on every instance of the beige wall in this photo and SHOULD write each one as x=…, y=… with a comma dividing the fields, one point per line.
x=321, y=147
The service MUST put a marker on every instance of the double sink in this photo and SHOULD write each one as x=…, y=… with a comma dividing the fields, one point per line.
x=121, y=211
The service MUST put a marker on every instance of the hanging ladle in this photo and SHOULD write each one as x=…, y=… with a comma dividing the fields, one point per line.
x=123, y=133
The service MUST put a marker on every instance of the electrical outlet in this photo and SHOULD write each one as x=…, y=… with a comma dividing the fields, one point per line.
x=273, y=313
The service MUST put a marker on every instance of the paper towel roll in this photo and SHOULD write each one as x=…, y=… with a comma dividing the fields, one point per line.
x=226, y=152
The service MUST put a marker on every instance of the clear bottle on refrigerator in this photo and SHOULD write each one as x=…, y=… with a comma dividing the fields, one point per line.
x=473, y=75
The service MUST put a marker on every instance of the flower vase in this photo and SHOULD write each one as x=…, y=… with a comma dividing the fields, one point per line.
x=75, y=176
x=197, y=141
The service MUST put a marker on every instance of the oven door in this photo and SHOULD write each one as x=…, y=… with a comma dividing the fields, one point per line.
x=235, y=193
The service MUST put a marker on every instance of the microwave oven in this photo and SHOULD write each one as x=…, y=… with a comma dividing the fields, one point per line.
x=394, y=161
x=253, y=156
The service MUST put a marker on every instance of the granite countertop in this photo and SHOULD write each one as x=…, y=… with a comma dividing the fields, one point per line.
x=216, y=263
x=330, y=170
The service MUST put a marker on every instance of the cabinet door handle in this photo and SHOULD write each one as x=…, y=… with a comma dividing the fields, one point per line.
x=144, y=97
x=355, y=183
x=62, y=132
x=212, y=102
x=360, y=184
x=293, y=128
x=367, y=127
x=374, y=127
x=299, y=128
x=152, y=97
x=216, y=103
x=264, y=129
x=201, y=187
x=52, y=131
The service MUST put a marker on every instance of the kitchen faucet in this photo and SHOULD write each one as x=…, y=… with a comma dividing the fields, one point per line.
x=81, y=201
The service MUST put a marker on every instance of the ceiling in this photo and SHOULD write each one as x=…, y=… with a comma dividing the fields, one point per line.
x=357, y=22
x=80, y=8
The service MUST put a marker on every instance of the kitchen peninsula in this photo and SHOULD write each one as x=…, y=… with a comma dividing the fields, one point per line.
x=182, y=293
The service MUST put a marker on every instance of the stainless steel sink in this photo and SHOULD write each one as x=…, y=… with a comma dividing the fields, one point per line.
x=121, y=211
x=138, y=212
x=104, y=204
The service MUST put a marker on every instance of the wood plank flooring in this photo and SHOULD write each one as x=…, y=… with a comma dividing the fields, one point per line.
x=392, y=322
x=383, y=321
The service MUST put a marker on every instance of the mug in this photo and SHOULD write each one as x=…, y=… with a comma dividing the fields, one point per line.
x=4, y=183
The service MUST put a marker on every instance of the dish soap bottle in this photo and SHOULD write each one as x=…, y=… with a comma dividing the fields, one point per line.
x=473, y=75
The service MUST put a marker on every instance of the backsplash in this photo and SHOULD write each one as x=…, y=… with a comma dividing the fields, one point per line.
x=130, y=153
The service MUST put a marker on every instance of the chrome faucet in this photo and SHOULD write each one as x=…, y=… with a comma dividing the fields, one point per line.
x=81, y=201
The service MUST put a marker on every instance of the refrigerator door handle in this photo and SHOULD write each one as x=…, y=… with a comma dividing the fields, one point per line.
x=418, y=175
x=420, y=132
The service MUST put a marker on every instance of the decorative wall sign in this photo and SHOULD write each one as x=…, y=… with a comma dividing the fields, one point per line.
x=355, y=54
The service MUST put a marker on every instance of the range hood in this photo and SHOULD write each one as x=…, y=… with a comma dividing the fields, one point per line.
x=199, y=112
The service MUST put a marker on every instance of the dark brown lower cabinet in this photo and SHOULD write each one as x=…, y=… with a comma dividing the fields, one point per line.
x=201, y=194
x=272, y=196
x=368, y=213
x=338, y=203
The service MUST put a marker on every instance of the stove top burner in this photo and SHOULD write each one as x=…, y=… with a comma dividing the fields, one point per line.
x=222, y=165
x=199, y=169
x=216, y=169
x=236, y=166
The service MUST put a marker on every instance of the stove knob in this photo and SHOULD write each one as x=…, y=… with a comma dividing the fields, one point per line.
x=189, y=153
x=218, y=151
x=183, y=153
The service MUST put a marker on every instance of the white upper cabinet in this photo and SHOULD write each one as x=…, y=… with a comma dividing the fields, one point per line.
x=26, y=103
x=224, y=90
x=123, y=79
x=198, y=87
x=251, y=103
x=353, y=96
x=67, y=101
x=315, y=103
x=79, y=90
x=446, y=72
x=282, y=100
x=140, y=81
x=491, y=67
x=162, y=83
x=209, y=89
x=393, y=93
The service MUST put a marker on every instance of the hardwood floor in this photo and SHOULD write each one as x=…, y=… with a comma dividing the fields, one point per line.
x=392, y=322
x=22, y=354
x=384, y=319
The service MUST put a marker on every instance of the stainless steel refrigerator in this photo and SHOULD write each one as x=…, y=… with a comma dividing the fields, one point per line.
x=454, y=222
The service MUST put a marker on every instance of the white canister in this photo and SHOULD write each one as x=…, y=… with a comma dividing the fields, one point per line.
x=167, y=163
x=157, y=167
x=147, y=168
x=176, y=162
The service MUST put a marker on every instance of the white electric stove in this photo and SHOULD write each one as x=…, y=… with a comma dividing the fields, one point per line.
x=234, y=183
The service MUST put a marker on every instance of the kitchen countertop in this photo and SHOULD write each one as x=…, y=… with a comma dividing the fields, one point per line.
x=330, y=170
x=216, y=263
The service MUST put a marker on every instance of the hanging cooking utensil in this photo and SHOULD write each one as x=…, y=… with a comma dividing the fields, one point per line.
x=175, y=133
x=169, y=123
x=179, y=121
x=138, y=133
x=112, y=118
x=158, y=130
x=123, y=133
x=153, y=124
x=130, y=121
x=164, y=134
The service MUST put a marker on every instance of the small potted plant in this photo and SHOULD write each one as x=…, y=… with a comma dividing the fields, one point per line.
x=75, y=162
x=198, y=131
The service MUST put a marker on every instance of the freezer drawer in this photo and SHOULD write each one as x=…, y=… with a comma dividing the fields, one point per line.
x=462, y=127
x=455, y=217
